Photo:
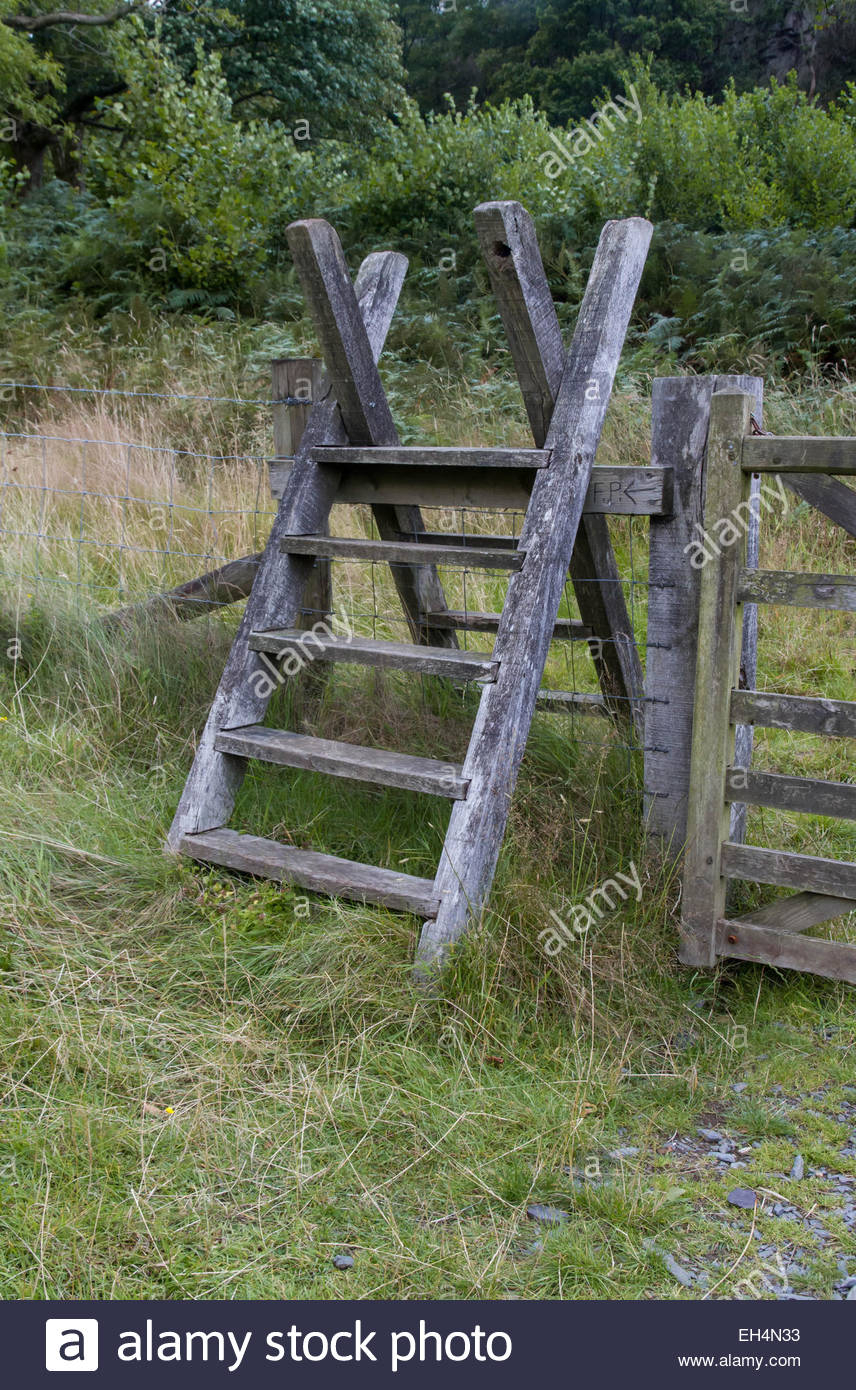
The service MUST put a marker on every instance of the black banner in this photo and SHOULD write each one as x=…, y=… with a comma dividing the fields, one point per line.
x=315, y=1344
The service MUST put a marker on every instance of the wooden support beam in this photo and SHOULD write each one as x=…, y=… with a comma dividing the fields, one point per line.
x=828, y=495
x=509, y=245
x=468, y=620
x=622, y=491
x=680, y=420
x=227, y=584
x=834, y=877
x=301, y=379
x=717, y=671
x=807, y=795
x=798, y=912
x=296, y=384
x=805, y=714
x=420, y=456
x=748, y=677
x=613, y=491
x=836, y=591
x=833, y=960
x=405, y=552
x=458, y=538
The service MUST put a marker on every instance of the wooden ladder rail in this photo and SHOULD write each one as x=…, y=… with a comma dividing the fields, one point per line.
x=356, y=385
x=477, y=825
x=355, y=418
x=215, y=777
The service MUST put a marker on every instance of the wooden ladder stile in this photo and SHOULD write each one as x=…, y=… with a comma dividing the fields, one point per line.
x=351, y=451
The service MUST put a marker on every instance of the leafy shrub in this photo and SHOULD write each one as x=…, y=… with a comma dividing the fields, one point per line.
x=187, y=194
x=786, y=294
x=763, y=158
x=753, y=201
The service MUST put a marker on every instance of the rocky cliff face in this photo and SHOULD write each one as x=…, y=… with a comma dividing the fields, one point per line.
x=792, y=46
x=818, y=42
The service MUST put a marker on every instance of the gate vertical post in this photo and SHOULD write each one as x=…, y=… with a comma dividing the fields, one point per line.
x=720, y=642
x=680, y=424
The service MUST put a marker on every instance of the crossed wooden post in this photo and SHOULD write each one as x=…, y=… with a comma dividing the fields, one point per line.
x=510, y=247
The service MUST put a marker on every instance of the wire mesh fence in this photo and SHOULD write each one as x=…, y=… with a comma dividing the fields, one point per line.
x=115, y=520
x=103, y=521
x=107, y=516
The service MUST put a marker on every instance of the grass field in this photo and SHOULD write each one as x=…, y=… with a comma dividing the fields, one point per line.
x=212, y=1086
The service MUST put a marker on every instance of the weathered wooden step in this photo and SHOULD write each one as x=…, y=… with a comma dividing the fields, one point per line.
x=379, y=765
x=403, y=552
x=351, y=456
x=466, y=620
x=320, y=873
x=461, y=538
x=369, y=651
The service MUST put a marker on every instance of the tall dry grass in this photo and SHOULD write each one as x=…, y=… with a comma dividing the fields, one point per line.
x=111, y=500
x=100, y=503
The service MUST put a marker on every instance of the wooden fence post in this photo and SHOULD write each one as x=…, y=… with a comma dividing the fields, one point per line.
x=680, y=423
x=296, y=385
x=719, y=659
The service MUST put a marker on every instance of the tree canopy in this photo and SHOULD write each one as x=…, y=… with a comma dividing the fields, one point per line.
x=566, y=53
x=333, y=64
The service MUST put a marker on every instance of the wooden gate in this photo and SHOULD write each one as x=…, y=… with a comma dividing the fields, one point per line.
x=826, y=888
